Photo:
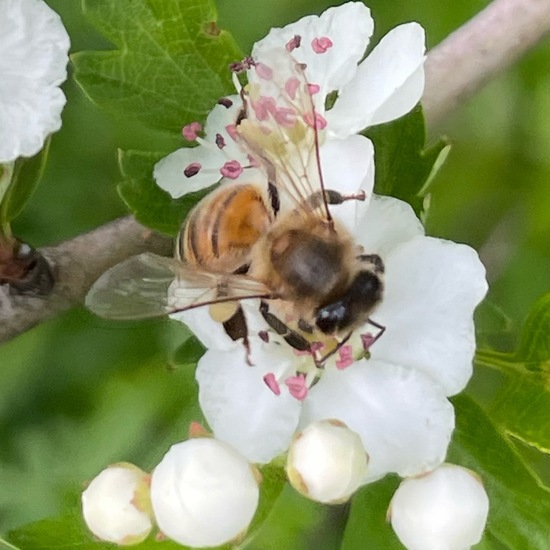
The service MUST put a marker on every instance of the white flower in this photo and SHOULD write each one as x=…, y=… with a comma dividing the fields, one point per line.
x=116, y=505
x=204, y=493
x=394, y=396
x=34, y=49
x=326, y=462
x=385, y=86
x=396, y=399
x=443, y=510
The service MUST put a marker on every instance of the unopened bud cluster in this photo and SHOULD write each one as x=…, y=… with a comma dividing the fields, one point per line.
x=204, y=493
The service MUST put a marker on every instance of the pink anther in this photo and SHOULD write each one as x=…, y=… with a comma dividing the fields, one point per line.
x=192, y=169
x=272, y=384
x=232, y=169
x=191, y=131
x=322, y=44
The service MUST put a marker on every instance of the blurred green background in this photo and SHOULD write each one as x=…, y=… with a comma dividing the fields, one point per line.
x=78, y=393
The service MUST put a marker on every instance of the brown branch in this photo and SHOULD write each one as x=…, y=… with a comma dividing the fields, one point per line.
x=76, y=264
x=455, y=70
x=486, y=45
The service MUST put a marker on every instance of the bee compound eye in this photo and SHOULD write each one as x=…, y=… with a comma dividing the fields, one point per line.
x=330, y=317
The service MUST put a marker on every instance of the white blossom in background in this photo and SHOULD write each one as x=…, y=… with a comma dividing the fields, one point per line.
x=383, y=87
x=394, y=397
x=204, y=493
x=34, y=49
x=326, y=462
x=116, y=505
x=444, y=510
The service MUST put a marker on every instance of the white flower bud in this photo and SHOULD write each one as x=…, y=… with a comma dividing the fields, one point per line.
x=327, y=462
x=204, y=493
x=443, y=510
x=116, y=505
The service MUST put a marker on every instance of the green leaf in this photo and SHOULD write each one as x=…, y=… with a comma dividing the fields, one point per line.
x=367, y=526
x=296, y=523
x=534, y=345
x=519, y=504
x=187, y=353
x=170, y=64
x=26, y=175
x=4, y=545
x=151, y=205
x=492, y=324
x=403, y=166
x=271, y=486
x=522, y=404
x=70, y=532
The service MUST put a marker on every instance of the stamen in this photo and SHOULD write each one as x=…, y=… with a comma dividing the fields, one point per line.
x=318, y=123
x=346, y=357
x=285, y=116
x=242, y=66
x=291, y=86
x=231, y=129
x=264, y=71
x=190, y=131
x=220, y=141
x=297, y=386
x=254, y=162
x=271, y=382
x=322, y=44
x=317, y=346
x=313, y=88
x=225, y=101
x=192, y=170
x=367, y=340
x=293, y=43
x=264, y=106
x=232, y=169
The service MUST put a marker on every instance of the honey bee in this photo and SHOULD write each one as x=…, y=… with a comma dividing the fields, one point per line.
x=277, y=242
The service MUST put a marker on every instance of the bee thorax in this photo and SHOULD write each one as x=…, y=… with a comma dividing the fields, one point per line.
x=312, y=266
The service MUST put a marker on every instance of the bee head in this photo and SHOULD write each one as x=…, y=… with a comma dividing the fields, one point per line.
x=354, y=306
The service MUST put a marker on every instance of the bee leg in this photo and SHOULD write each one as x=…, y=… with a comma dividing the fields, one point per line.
x=291, y=337
x=321, y=361
x=236, y=328
x=368, y=339
x=304, y=326
x=332, y=197
x=274, y=198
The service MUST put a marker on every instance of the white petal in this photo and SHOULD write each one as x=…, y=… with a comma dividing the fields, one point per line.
x=402, y=416
x=209, y=332
x=33, y=63
x=168, y=172
x=348, y=167
x=216, y=123
x=240, y=408
x=388, y=84
x=212, y=334
x=432, y=289
x=348, y=26
x=387, y=223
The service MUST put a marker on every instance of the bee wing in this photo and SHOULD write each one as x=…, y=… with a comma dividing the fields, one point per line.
x=147, y=286
x=281, y=131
